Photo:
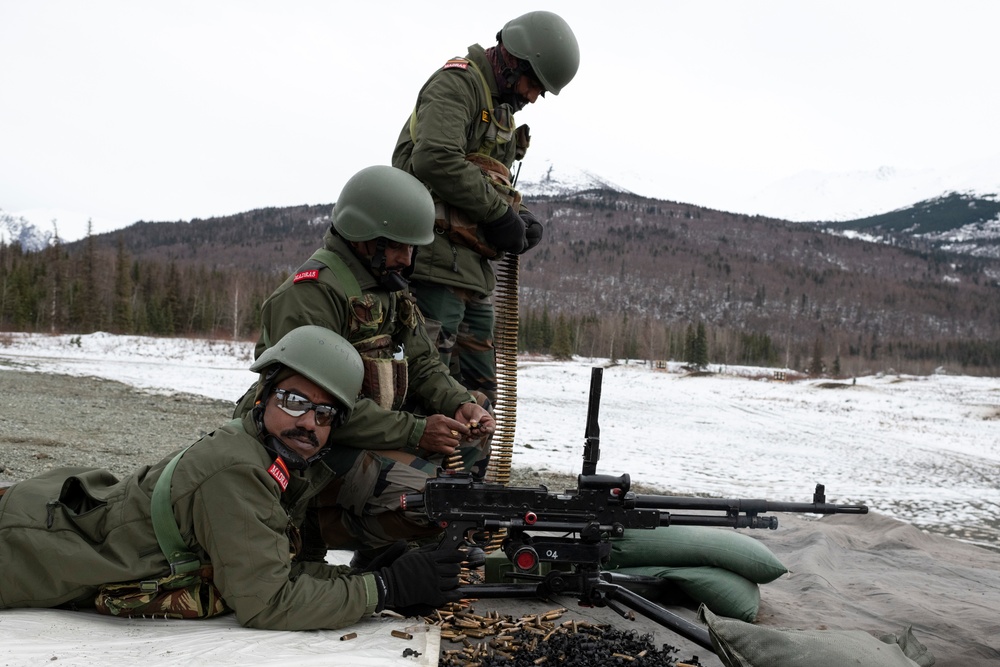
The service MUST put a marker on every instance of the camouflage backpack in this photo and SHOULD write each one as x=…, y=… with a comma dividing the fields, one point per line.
x=187, y=591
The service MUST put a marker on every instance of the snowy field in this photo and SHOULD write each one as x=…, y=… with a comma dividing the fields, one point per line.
x=921, y=449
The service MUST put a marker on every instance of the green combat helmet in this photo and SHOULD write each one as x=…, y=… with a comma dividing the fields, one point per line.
x=385, y=202
x=321, y=356
x=546, y=41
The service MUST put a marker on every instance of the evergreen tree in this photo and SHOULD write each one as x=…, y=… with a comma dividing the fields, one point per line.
x=89, y=303
x=630, y=342
x=816, y=364
x=699, y=350
x=121, y=316
x=545, y=332
x=562, y=346
x=689, y=343
x=173, y=310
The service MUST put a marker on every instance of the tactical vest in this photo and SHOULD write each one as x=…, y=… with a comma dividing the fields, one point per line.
x=386, y=374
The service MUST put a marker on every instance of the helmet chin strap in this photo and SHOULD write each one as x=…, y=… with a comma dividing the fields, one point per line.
x=516, y=102
x=509, y=75
x=394, y=281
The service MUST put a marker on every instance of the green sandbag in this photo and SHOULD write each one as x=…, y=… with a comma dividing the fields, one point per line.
x=695, y=546
x=725, y=593
x=740, y=644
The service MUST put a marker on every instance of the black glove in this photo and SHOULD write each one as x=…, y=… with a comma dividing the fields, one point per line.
x=506, y=232
x=420, y=581
x=532, y=229
x=370, y=560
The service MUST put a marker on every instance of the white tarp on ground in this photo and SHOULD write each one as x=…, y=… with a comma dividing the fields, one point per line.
x=37, y=636
x=52, y=636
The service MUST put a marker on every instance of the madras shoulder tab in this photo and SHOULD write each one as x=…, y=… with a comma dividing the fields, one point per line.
x=331, y=260
x=456, y=63
x=279, y=471
x=308, y=271
x=308, y=274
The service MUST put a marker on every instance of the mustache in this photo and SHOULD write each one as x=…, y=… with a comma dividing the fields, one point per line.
x=301, y=433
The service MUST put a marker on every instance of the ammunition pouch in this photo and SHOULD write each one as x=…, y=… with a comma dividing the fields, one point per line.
x=456, y=223
x=386, y=378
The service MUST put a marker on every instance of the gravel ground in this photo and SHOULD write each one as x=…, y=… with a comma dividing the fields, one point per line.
x=52, y=421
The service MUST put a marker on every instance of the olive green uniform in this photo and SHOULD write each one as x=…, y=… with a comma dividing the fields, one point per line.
x=68, y=531
x=452, y=282
x=361, y=508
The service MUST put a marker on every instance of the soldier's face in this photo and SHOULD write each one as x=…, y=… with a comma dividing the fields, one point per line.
x=299, y=433
x=529, y=88
x=397, y=255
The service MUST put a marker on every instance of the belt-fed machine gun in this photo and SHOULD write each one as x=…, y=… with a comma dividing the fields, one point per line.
x=572, y=530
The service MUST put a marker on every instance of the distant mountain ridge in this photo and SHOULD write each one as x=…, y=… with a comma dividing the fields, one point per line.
x=628, y=274
x=807, y=196
x=963, y=223
x=559, y=183
x=966, y=222
x=17, y=229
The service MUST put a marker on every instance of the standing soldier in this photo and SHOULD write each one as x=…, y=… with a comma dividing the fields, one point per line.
x=461, y=141
x=413, y=417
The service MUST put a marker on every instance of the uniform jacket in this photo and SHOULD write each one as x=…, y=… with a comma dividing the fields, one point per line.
x=448, y=127
x=70, y=530
x=321, y=300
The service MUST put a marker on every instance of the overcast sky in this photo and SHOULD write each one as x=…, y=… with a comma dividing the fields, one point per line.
x=170, y=110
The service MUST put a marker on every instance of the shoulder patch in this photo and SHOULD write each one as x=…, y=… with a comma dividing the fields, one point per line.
x=456, y=63
x=279, y=471
x=308, y=274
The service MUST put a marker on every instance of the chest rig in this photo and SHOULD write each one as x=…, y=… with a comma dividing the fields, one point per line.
x=372, y=327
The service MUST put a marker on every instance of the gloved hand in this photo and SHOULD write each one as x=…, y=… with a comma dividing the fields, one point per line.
x=420, y=581
x=506, y=232
x=374, y=559
x=532, y=229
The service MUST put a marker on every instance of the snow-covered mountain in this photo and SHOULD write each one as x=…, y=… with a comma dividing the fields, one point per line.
x=18, y=229
x=554, y=182
x=809, y=196
x=36, y=228
x=814, y=196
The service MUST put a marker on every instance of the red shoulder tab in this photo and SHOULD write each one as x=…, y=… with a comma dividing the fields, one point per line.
x=456, y=63
x=310, y=274
x=279, y=471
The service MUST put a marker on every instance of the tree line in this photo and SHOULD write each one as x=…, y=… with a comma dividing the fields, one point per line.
x=617, y=276
x=699, y=344
x=97, y=289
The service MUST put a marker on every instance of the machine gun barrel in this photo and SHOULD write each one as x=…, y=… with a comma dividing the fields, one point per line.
x=740, y=512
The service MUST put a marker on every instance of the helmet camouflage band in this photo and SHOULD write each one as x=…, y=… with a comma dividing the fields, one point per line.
x=546, y=41
x=383, y=201
x=321, y=356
